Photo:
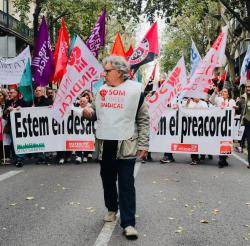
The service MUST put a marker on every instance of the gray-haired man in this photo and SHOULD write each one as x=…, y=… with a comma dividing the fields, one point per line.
x=122, y=134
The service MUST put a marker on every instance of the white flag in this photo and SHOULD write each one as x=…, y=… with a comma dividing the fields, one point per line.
x=200, y=82
x=195, y=58
x=11, y=69
x=245, y=67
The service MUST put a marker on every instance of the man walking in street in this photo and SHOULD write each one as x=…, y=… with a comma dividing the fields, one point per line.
x=246, y=118
x=122, y=134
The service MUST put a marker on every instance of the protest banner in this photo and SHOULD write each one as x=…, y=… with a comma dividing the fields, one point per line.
x=11, y=69
x=193, y=130
x=35, y=130
x=82, y=70
x=238, y=128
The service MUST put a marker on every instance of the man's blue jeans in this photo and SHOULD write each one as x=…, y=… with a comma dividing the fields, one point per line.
x=111, y=169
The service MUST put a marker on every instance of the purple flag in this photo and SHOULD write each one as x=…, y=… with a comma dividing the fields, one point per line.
x=97, y=38
x=42, y=65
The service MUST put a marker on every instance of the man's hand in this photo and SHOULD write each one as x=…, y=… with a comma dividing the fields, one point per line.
x=216, y=90
x=88, y=112
x=10, y=109
x=142, y=154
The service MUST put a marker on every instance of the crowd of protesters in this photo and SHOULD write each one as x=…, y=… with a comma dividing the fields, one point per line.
x=11, y=98
x=222, y=95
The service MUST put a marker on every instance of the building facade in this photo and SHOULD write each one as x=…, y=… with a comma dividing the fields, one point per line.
x=14, y=36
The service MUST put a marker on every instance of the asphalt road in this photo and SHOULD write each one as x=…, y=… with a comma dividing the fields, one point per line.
x=177, y=204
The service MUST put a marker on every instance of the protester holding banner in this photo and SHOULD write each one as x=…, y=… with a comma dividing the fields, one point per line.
x=13, y=103
x=40, y=99
x=83, y=103
x=196, y=103
x=222, y=101
x=122, y=134
x=246, y=118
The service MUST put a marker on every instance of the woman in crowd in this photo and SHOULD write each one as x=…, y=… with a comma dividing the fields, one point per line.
x=3, y=97
x=13, y=103
x=83, y=102
x=223, y=101
x=196, y=103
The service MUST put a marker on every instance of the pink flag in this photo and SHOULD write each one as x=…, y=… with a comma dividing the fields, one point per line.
x=159, y=102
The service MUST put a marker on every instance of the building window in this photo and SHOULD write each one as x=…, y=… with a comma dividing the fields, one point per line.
x=5, y=6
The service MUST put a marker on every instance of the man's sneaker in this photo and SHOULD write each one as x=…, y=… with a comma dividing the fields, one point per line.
x=130, y=233
x=19, y=164
x=170, y=160
x=248, y=166
x=85, y=159
x=143, y=161
x=40, y=161
x=61, y=161
x=78, y=160
x=194, y=162
x=239, y=149
x=164, y=160
x=110, y=216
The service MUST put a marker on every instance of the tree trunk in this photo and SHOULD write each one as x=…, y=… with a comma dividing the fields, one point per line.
x=51, y=30
x=236, y=15
x=230, y=63
x=248, y=8
x=36, y=14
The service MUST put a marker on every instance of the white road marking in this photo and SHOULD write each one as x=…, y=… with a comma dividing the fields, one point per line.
x=108, y=228
x=9, y=174
x=240, y=158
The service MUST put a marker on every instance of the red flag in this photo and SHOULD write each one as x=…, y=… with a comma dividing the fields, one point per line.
x=61, y=53
x=130, y=51
x=118, y=48
x=147, y=50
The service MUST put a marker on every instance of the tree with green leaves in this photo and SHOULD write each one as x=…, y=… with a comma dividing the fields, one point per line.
x=198, y=24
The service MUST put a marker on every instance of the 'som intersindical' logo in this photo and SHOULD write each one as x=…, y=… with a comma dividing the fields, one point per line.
x=103, y=94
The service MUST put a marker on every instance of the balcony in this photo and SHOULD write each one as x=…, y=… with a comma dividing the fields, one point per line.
x=14, y=27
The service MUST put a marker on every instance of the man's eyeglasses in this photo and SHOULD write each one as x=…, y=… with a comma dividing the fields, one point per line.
x=108, y=70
